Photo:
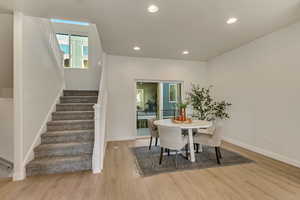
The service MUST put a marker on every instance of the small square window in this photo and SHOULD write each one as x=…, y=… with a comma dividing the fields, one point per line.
x=75, y=49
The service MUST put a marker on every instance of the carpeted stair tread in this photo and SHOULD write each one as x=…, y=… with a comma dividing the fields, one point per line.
x=58, y=159
x=42, y=147
x=71, y=97
x=67, y=136
x=72, y=115
x=62, y=125
x=78, y=99
x=59, y=164
x=72, y=112
x=75, y=107
x=66, y=133
x=63, y=149
x=59, y=122
x=80, y=93
x=76, y=104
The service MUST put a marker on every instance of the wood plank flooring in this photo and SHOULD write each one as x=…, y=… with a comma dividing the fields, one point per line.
x=266, y=179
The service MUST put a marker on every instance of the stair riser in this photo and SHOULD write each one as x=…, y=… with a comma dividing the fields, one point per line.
x=60, y=168
x=70, y=138
x=73, y=126
x=68, y=151
x=80, y=93
x=74, y=108
x=80, y=116
x=78, y=99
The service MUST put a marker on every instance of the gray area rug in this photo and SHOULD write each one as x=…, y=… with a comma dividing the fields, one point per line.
x=148, y=161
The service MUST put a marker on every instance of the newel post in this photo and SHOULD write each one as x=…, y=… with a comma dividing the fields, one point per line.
x=96, y=162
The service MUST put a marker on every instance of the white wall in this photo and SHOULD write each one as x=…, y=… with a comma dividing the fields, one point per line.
x=42, y=79
x=262, y=81
x=19, y=169
x=6, y=129
x=122, y=72
x=82, y=79
x=6, y=92
x=6, y=55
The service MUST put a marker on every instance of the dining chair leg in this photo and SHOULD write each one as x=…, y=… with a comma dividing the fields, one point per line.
x=176, y=159
x=150, y=143
x=187, y=151
x=161, y=155
x=156, y=140
x=219, y=151
x=197, y=148
x=217, y=155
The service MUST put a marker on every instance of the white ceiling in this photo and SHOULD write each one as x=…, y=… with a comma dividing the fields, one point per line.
x=196, y=25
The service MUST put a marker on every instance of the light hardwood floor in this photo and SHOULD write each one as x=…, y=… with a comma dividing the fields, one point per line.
x=265, y=179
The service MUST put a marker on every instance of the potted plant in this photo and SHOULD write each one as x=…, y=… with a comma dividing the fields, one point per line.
x=205, y=107
x=182, y=109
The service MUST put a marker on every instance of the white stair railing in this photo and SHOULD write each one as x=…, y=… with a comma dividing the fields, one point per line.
x=100, y=113
x=100, y=128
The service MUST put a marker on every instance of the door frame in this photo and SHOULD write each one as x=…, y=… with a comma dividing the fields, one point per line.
x=160, y=106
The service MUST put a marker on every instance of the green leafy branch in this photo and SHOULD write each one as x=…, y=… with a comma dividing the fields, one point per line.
x=205, y=106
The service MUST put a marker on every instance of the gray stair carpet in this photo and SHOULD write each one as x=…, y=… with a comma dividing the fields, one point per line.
x=67, y=145
x=75, y=107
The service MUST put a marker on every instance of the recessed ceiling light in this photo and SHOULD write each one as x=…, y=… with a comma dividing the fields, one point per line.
x=136, y=48
x=153, y=8
x=185, y=52
x=232, y=20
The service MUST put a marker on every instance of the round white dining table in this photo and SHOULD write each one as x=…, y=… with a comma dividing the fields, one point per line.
x=190, y=126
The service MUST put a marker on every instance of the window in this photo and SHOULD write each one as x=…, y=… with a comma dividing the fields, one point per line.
x=172, y=93
x=75, y=49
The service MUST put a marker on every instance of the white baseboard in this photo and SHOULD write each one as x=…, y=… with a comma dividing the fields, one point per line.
x=120, y=139
x=37, y=140
x=105, y=146
x=264, y=152
x=6, y=99
x=20, y=175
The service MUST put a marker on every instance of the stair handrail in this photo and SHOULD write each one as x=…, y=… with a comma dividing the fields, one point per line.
x=100, y=110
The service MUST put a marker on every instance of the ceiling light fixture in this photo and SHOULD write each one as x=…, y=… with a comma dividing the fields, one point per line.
x=185, y=52
x=153, y=8
x=136, y=48
x=232, y=20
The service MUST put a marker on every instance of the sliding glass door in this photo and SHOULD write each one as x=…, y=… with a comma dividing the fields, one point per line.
x=146, y=105
x=155, y=100
x=171, y=97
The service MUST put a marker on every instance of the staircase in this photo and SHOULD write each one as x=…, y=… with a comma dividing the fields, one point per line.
x=67, y=146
